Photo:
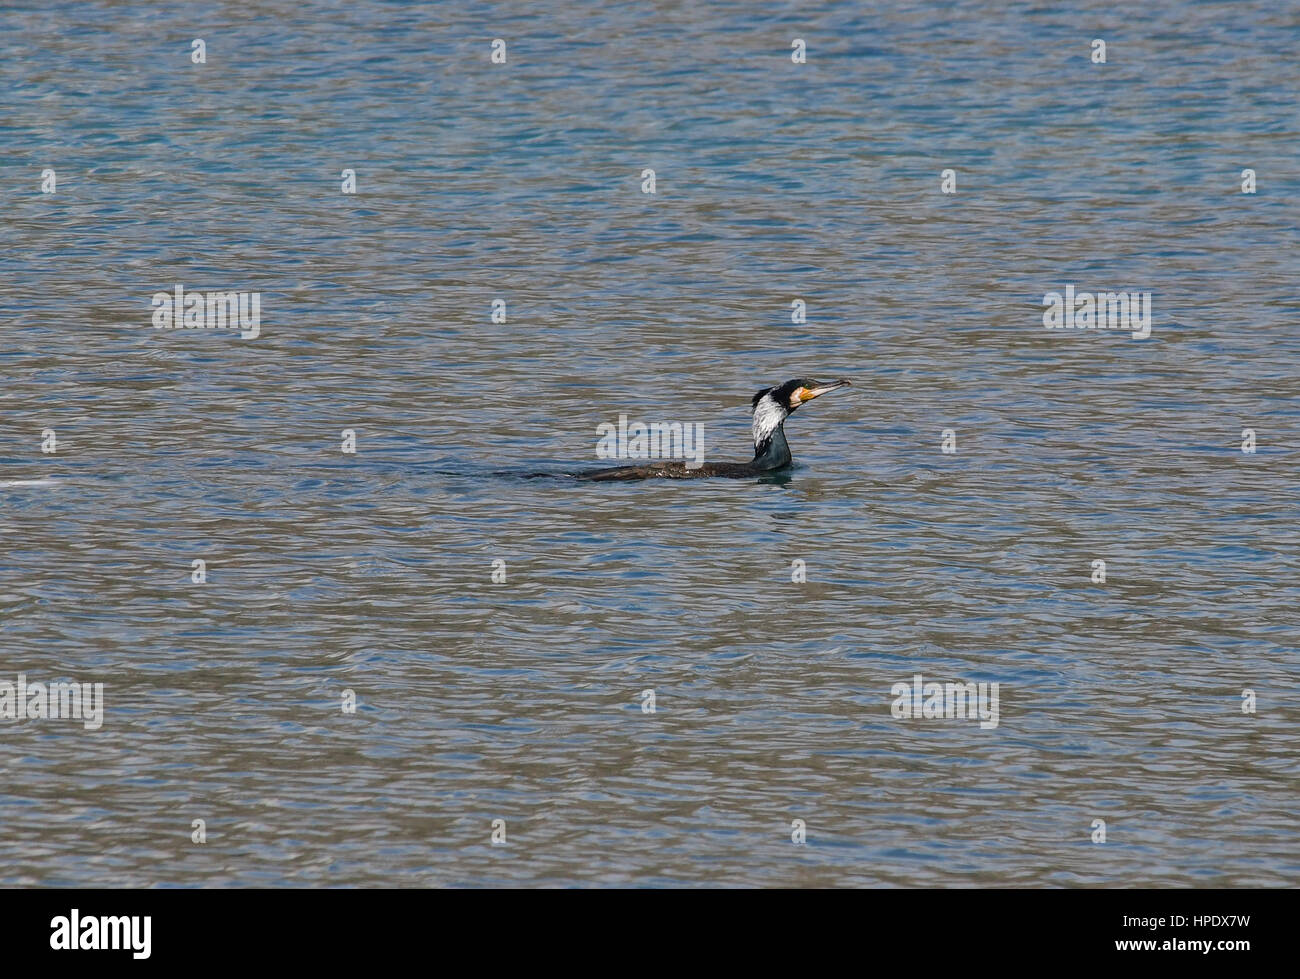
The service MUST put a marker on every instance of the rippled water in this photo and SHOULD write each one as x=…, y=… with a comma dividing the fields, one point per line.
x=522, y=701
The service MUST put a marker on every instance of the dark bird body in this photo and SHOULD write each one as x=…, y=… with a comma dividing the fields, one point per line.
x=770, y=407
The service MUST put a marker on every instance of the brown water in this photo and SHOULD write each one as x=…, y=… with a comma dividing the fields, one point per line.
x=522, y=700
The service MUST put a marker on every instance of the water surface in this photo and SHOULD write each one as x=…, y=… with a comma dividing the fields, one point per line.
x=522, y=701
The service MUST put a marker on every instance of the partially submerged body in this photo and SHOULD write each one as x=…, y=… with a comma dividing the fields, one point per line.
x=771, y=407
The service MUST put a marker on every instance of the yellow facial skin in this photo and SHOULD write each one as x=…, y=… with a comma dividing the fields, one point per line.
x=801, y=395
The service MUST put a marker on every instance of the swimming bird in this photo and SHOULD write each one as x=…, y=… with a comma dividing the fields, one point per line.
x=770, y=408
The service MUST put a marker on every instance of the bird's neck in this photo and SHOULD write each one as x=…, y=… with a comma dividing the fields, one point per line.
x=773, y=452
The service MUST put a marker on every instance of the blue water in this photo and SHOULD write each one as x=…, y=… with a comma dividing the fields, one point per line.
x=521, y=700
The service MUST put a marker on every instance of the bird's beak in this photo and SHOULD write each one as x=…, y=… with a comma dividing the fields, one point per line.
x=807, y=394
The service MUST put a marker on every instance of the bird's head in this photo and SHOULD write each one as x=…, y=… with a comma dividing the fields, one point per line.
x=772, y=406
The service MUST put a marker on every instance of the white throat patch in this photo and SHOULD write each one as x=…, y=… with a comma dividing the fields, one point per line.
x=768, y=416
